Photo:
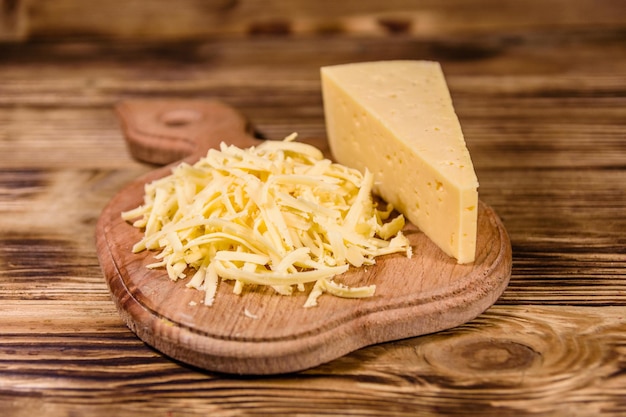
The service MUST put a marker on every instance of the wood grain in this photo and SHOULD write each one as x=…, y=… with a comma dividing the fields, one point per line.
x=513, y=360
x=192, y=19
x=541, y=99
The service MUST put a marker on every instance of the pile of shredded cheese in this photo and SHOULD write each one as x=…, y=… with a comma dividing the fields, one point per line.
x=278, y=214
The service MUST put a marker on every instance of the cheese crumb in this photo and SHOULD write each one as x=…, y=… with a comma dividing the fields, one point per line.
x=250, y=315
x=278, y=214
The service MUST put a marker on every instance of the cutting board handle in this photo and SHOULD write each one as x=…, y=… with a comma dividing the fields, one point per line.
x=163, y=131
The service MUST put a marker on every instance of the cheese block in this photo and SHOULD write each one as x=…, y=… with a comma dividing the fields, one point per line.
x=396, y=119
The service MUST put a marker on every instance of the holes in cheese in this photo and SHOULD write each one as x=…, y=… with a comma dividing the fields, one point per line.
x=278, y=214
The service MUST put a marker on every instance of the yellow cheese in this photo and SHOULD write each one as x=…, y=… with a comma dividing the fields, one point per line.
x=278, y=214
x=396, y=119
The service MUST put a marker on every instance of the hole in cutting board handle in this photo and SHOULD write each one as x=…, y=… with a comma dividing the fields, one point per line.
x=162, y=131
x=180, y=117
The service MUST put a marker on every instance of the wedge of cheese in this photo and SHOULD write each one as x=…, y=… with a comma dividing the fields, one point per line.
x=396, y=119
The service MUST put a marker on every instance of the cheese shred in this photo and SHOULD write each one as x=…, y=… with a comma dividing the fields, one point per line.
x=278, y=214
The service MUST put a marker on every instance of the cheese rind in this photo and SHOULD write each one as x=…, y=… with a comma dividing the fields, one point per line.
x=396, y=119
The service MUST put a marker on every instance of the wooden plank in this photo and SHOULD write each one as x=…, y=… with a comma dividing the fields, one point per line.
x=575, y=110
x=582, y=50
x=192, y=19
x=512, y=360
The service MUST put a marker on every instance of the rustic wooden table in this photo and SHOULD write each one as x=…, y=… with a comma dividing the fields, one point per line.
x=540, y=88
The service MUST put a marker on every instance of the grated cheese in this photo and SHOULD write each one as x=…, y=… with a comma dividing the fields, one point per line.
x=278, y=214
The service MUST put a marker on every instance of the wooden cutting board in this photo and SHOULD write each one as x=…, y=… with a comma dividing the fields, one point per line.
x=259, y=331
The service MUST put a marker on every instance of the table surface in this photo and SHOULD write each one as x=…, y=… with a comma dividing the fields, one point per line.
x=541, y=95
